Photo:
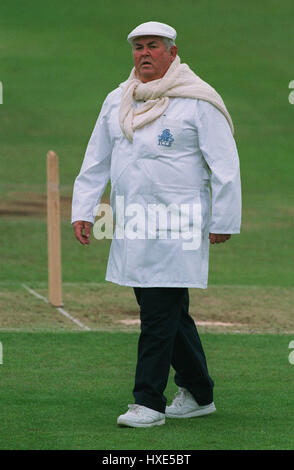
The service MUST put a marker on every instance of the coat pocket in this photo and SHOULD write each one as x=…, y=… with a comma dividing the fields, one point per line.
x=176, y=214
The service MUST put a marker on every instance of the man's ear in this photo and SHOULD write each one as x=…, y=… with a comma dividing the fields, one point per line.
x=173, y=51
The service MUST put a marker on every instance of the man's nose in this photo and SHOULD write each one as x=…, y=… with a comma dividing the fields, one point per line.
x=145, y=51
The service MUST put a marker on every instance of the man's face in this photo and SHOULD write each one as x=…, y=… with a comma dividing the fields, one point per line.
x=151, y=58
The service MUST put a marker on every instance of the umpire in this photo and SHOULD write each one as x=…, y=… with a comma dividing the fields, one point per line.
x=165, y=139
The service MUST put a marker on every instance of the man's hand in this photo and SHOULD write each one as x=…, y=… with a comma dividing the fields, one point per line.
x=218, y=237
x=82, y=231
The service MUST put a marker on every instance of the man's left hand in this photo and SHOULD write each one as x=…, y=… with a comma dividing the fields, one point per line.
x=218, y=237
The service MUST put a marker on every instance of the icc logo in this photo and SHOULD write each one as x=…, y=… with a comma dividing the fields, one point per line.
x=291, y=95
x=166, y=138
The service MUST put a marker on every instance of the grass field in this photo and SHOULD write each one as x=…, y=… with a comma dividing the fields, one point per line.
x=65, y=391
x=63, y=388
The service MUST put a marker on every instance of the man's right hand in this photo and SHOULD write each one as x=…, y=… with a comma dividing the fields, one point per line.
x=82, y=231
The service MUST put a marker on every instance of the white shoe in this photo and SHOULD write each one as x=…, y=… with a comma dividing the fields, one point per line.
x=139, y=416
x=184, y=405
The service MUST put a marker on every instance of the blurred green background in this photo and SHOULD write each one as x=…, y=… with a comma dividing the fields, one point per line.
x=59, y=59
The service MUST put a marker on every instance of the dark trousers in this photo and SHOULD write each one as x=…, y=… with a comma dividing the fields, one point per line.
x=168, y=337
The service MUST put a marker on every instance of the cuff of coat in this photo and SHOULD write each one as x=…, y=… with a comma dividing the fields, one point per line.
x=224, y=231
x=84, y=219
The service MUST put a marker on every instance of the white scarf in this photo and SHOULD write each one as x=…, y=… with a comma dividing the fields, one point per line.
x=179, y=81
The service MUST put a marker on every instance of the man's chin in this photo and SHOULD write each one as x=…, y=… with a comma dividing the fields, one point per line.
x=147, y=76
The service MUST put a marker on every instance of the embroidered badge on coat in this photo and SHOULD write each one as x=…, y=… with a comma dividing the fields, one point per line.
x=166, y=138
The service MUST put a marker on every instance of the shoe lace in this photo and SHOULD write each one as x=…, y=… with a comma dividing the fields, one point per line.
x=179, y=398
x=136, y=409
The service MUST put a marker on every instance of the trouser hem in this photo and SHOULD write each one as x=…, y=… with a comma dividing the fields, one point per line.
x=150, y=402
x=202, y=398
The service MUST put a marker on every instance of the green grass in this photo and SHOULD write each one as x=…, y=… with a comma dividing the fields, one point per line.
x=65, y=391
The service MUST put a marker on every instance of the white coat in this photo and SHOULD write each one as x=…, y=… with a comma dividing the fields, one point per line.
x=187, y=157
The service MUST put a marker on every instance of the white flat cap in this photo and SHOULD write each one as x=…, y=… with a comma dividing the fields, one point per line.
x=153, y=28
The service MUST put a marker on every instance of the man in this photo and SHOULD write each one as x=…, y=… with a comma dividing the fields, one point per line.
x=165, y=138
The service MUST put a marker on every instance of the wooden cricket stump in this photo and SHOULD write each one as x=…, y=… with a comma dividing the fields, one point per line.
x=53, y=231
